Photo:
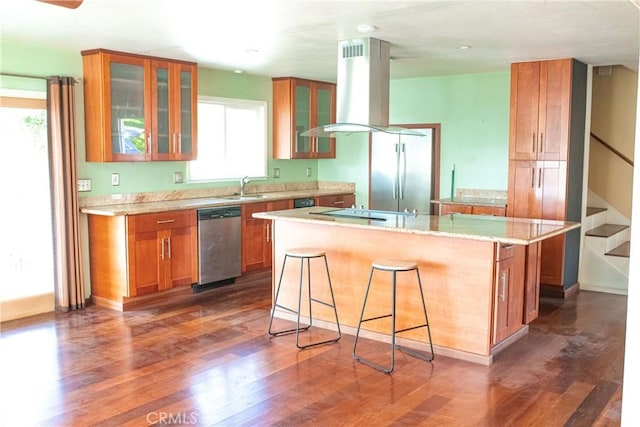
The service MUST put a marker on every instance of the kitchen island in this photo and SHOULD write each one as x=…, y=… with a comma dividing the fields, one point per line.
x=479, y=273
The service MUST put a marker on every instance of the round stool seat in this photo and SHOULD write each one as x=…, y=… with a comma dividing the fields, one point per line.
x=304, y=252
x=394, y=264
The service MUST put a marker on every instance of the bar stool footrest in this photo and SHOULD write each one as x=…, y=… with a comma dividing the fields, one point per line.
x=426, y=357
x=372, y=364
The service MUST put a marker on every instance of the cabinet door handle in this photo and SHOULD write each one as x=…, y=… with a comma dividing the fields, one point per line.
x=339, y=202
x=533, y=177
x=165, y=221
x=540, y=178
x=541, y=142
x=162, y=248
x=533, y=142
x=267, y=232
x=174, y=143
x=169, y=247
x=179, y=147
x=503, y=279
x=149, y=143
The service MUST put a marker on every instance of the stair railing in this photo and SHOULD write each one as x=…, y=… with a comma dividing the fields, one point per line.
x=613, y=150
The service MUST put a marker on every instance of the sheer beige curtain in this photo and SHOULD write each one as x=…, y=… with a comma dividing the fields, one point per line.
x=69, y=286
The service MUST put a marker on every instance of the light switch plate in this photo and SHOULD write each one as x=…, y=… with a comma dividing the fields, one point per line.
x=178, y=177
x=276, y=172
x=84, y=185
x=115, y=179
x=308, y=171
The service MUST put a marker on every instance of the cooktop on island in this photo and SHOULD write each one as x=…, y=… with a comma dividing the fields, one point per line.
x=371, y=214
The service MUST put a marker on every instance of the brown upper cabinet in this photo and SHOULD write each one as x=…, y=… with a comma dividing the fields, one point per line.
x=139, y=108
x=540, y=110
x=299, y=105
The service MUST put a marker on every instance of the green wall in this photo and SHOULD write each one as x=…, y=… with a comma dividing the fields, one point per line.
x=21, y=58
x=472, y=109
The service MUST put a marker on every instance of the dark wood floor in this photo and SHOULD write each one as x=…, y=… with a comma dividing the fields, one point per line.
x=209, y=361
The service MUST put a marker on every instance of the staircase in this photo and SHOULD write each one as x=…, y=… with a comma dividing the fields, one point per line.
x=604, y=265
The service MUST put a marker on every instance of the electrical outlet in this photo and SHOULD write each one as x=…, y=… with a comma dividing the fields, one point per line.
x=308, y=171
x=276, y=172
x=178, y=177
x=84, y=185
x=115, y=179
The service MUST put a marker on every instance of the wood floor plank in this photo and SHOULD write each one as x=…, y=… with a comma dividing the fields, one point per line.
x=208, y=360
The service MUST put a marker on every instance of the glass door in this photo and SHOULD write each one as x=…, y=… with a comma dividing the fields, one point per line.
x=26, y=252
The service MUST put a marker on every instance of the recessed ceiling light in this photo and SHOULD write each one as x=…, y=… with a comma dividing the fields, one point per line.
x=366, y=28
x=464, y=47
x=251, y=51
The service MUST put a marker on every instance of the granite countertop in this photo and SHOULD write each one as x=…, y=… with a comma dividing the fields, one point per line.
x=519, y=231
x=205, y=202
x=472, y=201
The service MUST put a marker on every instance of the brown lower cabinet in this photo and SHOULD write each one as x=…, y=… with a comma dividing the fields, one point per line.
x=532, y=282
x=257, y=234
x=509, y=286
x=135, y=255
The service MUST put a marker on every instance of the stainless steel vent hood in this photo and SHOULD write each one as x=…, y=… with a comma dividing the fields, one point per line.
x=362, y=90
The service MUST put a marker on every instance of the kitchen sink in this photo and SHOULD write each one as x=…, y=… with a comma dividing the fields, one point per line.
x=246, y=197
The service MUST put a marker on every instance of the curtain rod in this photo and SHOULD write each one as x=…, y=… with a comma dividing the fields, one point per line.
x=31, y=76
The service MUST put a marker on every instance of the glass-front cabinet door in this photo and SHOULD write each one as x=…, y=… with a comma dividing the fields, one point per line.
x=160, y=98
x=324, y=114
x=128, y=109
x=302, y=94
x=185, y=112
x=173, y=103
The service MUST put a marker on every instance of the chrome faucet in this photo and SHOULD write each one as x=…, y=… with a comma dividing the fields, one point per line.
x=243, y=182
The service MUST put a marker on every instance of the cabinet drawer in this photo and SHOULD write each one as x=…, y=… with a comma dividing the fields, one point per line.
x=161, y=221
x=489, y=210
x=446, y=209
x=505, y=251
x=340, y=200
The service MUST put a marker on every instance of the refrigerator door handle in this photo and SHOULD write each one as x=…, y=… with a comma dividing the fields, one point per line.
x=394, y=182
x=402, y=170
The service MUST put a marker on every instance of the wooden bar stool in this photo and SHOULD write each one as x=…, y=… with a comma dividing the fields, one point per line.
x=304, y=254
x=394, y=266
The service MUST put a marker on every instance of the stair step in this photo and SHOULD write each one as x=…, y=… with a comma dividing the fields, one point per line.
x=621, y=251
x=593, y=210
x=606, y=230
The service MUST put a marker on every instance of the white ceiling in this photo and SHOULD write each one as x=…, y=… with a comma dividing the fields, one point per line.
x=299, y=37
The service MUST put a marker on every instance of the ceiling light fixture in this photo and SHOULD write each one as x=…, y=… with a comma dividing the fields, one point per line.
x=366, y=28
x=238, y=71
x=464, y=47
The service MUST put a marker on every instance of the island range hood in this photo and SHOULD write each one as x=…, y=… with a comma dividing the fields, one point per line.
x=362, y=92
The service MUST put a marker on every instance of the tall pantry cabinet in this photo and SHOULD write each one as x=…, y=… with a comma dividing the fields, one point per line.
x=546, y=157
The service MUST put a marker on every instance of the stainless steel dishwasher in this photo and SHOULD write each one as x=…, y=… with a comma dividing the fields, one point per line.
x=219, y=246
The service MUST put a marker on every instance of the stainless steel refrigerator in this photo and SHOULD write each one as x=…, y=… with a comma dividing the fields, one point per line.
x=401, y=172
